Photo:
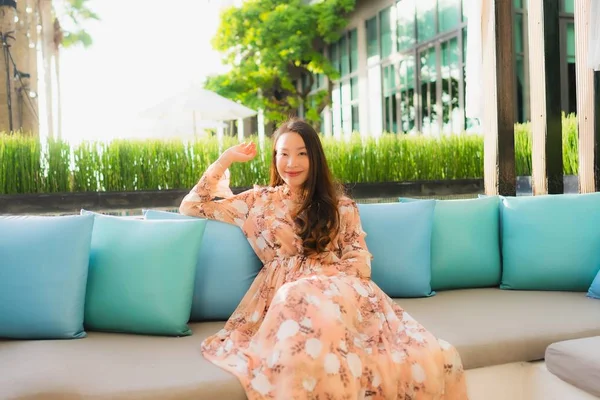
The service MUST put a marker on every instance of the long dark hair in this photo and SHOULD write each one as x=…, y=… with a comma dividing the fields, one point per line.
x=317, y=219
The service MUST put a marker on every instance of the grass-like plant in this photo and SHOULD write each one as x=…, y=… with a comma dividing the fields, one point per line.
x=28, y=166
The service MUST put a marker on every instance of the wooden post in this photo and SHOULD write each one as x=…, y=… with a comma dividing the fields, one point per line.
x=498, y=119
x=545, y=94
x=596, y=103
x=588, y=103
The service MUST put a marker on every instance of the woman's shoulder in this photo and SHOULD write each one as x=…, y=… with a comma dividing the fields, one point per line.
x=346, y=202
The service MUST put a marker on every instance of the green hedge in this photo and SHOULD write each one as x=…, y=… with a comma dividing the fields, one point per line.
x=26, y=166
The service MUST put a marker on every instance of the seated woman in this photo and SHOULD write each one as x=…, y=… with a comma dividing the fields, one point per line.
x=313, y=325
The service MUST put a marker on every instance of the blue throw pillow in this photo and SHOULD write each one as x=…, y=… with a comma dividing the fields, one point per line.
x=226, y=267
x=594, y=290
x=399, y=238
x=141, y=277
x=550, y=242
x=43, y=275
x=465, y=244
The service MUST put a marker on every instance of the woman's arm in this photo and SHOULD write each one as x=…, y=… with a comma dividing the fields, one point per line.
x=212, y=198
x=356, y=257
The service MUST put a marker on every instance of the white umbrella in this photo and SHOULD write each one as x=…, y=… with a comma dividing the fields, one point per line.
x=182, y=128
x=202, y=105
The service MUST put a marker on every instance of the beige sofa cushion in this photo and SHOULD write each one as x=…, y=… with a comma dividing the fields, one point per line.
x=488, y=326
x=114, y=366
x=493, y=326
x=576, y=362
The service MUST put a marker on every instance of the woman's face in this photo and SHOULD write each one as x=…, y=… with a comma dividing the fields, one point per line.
x=292, y=160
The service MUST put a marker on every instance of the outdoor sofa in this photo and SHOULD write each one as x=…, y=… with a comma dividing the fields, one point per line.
x=102, y=307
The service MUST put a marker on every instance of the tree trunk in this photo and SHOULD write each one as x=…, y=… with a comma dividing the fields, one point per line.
x=45, y=9
x=26, y=117
x=7, y=92
x=58, y=38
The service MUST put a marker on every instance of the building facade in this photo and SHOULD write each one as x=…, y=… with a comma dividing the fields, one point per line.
x=402, y=68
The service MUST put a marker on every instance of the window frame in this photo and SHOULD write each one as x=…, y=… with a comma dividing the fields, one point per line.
x=397, y=57
x=339, y=85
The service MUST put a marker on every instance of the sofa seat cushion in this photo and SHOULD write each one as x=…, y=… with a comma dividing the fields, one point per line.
x=115, y=366
x=576, y=362
x=487, y=326
x=493, y=326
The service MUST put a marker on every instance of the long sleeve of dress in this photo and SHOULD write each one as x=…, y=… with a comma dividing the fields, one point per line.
x=355, y=258
x=212, y=198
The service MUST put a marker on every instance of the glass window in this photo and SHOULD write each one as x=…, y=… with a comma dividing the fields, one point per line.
x=386, y=32
x=372, y=42
x=336, y=110
x=464, y=43
x=389, y=99
x=354, y=85
x=448, y=14
x=428, y=93
x=469, y=122
x=410, y=72
x=355, y=121
x=346, y=107
x=518, y=32
x=407, y=94
x=569, y=6
x=521, y=90
x=344, y=57
x=394, y=113
x=312, y=100
x=518, y=4
x=452, y=117
x=405, y=10
x=426, y=19
x=304, y=81
x=571, y=43
x=353, y=51
x=464, y=11
x=334, y=56
x=389, y=79
x=571, y=71
x=322, y=125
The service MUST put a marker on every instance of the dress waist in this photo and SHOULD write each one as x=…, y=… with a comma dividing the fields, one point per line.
x=299, y=266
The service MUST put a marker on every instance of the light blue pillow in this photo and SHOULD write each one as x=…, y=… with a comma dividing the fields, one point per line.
x=594, y=290
x=465, y=244
x=226, y=267
x=141, y=277
x=550, y=242
x=399, y=238
x=43, y=275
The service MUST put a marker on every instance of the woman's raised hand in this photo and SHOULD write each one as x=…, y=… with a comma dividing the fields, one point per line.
x=242, y=152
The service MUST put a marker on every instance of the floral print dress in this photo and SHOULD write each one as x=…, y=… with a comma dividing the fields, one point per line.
x=317, y=327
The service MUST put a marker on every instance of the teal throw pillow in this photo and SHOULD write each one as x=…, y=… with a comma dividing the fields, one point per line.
x=399, y=238
x=465, y=243
x=43, y=276
x=594, y=290
x=550, y=242
x=141, y=277
x=226, y=267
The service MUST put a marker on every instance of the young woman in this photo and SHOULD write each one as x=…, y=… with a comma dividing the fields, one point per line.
x=313, y=325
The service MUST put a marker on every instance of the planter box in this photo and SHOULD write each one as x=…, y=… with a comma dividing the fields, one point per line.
x=68, y=203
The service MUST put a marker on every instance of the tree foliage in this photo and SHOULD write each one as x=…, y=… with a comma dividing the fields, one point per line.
x=270, y=45
x=77, y=12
